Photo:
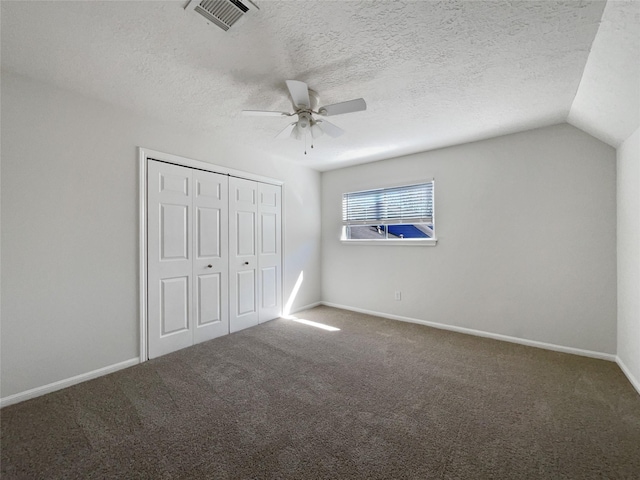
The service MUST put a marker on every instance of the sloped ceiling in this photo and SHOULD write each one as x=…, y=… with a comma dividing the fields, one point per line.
x=607, y=104
x=433, y=73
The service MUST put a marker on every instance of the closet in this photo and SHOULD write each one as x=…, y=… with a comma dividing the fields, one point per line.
x=214, y=255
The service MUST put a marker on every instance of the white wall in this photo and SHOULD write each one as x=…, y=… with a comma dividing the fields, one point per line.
x=526, y=228
x=628, y=192
x=70, y=228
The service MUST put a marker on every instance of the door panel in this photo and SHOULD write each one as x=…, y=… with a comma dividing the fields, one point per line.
x=174, y=301
x=270, y=248
x=246, y=234
x=243, y=210
x=246, y=293
x=211, y=188
x=269, y=282
x=210, y=265
x=209, y=299
x=269, y=198
x=169, y=261
x=174, y=183
x=174, y=236
x=245, y=194
x=269, y=235
x=208, y=232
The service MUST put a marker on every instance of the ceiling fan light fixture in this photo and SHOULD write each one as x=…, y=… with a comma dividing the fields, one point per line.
x=304, y=120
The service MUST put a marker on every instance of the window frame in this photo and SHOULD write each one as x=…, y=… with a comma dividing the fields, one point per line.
x=392, y=241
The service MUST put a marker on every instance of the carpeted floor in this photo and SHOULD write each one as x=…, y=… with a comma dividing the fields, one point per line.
x=378, y=399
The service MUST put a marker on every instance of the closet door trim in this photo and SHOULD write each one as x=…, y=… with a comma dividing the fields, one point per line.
x=143, y=155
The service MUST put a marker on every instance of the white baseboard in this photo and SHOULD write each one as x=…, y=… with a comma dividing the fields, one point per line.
x=59, y=385
x=634, y=381
x=306, y=307
x=52, y=387
x=480, y=333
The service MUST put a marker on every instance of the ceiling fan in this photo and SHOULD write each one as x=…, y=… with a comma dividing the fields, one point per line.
x=305, y=104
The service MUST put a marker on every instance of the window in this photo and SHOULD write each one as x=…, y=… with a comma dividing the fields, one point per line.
x=401, y=214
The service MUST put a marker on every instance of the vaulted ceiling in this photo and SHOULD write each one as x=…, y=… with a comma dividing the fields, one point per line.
x=433, y=74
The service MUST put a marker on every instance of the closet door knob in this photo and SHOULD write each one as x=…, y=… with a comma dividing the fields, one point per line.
x=246, y=263
x=209, y=266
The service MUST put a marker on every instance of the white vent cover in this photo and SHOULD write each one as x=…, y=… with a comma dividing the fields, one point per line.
x=223, y=13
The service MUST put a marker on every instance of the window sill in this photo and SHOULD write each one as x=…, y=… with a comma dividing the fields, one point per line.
x=431, y=242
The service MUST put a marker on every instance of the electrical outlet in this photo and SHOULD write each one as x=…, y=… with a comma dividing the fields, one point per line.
x=398, y=296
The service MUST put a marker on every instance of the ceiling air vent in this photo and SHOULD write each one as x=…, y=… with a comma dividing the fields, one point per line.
x=223, y=13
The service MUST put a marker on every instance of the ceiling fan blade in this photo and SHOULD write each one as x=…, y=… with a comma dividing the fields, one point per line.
x=296, y=133
x=286, y=133
x=315, y=129
x=330, y=129
x=299, y=93
x=264, y=113
x=356, y=105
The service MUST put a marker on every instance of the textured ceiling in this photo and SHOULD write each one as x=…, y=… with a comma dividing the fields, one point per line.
x=433, y=73
x=607, y=104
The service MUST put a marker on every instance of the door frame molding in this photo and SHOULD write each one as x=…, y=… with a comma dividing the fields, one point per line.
x=144, y=154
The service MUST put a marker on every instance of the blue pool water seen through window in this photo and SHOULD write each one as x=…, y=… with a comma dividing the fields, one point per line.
x=396, y=213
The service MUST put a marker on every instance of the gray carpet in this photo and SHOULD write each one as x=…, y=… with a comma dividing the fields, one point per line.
x=378, y=399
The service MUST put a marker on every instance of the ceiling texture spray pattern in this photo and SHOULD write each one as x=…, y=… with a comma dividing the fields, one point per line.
x=433, y=73
x=607, y=104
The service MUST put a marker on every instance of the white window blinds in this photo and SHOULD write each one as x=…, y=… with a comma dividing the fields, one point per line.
x=407, y=204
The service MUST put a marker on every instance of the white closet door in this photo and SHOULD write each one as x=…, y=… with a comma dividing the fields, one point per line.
x=214, y=255
x=269, y=251
x=169, y=260
x=210, y=255
x=243, y=268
